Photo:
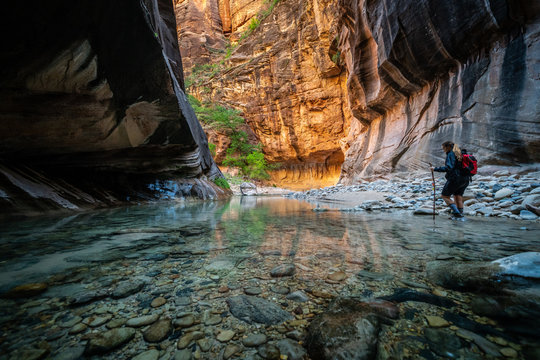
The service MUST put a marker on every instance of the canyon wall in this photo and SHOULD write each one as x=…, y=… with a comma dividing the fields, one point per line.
x=291, y=93
x=375, y=86
x=92, y=110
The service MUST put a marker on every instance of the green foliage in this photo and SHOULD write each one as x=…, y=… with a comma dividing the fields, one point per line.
x=336, y=58
x=222, y=183
x=201, y=73
x=254, y=24
x=212, y=148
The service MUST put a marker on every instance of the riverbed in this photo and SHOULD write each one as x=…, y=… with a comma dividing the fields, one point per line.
x=180, y=264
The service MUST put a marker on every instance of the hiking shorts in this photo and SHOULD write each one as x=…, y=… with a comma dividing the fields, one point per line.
x=455, y=187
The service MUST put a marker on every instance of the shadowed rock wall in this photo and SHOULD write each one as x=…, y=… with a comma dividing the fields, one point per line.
x=423, y=72
x=92, y=99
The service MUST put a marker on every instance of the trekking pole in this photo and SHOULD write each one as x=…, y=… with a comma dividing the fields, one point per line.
x=433, y=182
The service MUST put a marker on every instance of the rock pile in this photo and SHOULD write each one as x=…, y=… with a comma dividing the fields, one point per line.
x=501, y=194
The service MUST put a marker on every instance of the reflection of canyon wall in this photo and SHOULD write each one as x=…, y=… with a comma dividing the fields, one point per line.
x=406, y=75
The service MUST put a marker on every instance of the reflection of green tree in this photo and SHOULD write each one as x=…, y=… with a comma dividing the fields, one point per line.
x=248, y=229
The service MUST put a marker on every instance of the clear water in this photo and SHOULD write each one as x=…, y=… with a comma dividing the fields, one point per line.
x=239, y=240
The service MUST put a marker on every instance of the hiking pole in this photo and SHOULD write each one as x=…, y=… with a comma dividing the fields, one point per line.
x=433, y=182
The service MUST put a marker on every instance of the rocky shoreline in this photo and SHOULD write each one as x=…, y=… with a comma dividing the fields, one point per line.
x=501, y=194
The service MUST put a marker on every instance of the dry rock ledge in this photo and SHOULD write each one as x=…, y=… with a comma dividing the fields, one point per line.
x=500, y=194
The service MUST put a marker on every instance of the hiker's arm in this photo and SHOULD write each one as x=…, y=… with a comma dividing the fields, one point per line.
x=449, y=165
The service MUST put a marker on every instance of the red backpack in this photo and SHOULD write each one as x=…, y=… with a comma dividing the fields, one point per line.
x=469, y=165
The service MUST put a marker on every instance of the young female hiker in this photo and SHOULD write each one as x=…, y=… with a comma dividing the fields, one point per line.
x=456, y=183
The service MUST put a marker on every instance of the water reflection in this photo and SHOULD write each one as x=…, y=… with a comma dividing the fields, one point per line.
x=188, y=252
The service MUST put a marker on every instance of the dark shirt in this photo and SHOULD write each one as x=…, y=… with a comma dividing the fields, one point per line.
x=450, y=168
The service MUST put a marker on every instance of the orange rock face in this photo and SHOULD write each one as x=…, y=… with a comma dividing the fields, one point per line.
x=291, y=92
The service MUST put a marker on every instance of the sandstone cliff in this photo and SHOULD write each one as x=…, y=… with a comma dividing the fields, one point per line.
x=92, y=110
x=374, y=86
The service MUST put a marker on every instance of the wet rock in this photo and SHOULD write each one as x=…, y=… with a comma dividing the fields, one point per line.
x=152, y=354
x=509, y=352
x=254, y=309
x=268, y=351
x=443, y=342
x=157, y=302
x=70, y=353
x=213, y=320
x=292, y=349
x=436, y=321
x=219, y=265
x=187, y=339
x=532, y=200
x=476, y=276
x=231, y=350
x=527, y=215
x=95, y=321
x=109, y=340
x=424, y=211
x=142, y=320
x=29, y=354
x=524, y=264
x=79, y=328
x=225, y=335
x=337, y=276
x=184, y=354
x=185, y=321
x=116, y=323
x=346, y=330
x=86, y=297
x=374, y=275
x=127, y=288
x=296, y=335
x=283, y=290
x=204, y=344
x=502, y=193
x=158, y=331
x=487, y=346
x=247, y=188
x=384, y=308
x=298, y=295
x=25, y=291
x=403, y=294
x=252, y=291
x=254, y=340
x=283, y=270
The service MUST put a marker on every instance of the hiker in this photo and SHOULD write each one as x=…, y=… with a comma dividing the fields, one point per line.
x=456, y=183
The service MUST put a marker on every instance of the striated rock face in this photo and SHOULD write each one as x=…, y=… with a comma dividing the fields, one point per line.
x=200, y=31
x=422, y=72
x=292, y=94
x=92, y=110
x=406, y=76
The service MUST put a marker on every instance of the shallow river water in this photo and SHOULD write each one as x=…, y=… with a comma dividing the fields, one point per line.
x=183, y=261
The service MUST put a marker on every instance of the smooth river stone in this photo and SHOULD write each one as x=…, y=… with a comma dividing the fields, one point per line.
x=26, y=290
x=185, y=321
x=337, y=276
x=231, y=350
x=283, y=270
x=127, y=288
x=436, y=321
x=157, y=302
x=254, y=340
x=158, y=331
x=147, y=355
x=142, y=321
x=225, y=335
x=109, y=340
x=255, y=309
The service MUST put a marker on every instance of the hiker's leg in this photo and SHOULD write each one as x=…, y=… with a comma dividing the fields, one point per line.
x=447, y=200
x=459, y=202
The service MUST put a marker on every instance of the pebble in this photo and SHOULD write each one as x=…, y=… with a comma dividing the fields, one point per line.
x=283, y=270
x=204, y=344
x=231, y=350
x=185, y=321
x=158, y=331
x=26, y=290
x=298, y=295
x=509, y=352
x=252, y=291
x=157, y=302
x=185, y=340
x=436, y=321
x=147, y=355
x=283, y=290
x=116, y=323
x=96, y=321
x=337, y=276
x=109, y=340
x=142, y=320
x=127, y=288
x=225, y=335
x=254, y=340
x=268, y=351
x=79, y=328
